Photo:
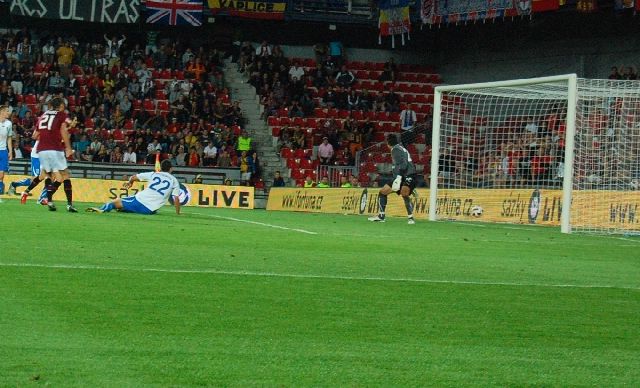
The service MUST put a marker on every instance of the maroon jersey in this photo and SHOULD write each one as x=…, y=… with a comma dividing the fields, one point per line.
x=49, y=125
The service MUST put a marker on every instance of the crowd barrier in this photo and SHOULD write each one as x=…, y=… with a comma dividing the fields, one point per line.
x=99, y=190
x=521, y=206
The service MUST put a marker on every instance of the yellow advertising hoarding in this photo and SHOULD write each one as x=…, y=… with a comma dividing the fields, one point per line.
x=98, y=190
x=523, y=206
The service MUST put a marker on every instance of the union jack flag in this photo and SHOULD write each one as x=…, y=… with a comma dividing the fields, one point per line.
x=174, y=12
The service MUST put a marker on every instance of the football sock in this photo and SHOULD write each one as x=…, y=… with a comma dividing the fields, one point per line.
x=1, y=187
x=68, y=190
x=51, y=189
x=408, y=205
x=43, y=195
x=33, y=184
x=382, y=204
x=107, y=207
x=24, y=182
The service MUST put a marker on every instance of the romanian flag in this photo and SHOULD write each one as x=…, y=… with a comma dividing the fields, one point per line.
x=394, y=20
x=267, y=9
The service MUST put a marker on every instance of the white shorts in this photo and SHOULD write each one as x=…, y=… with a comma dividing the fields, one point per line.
x=245, y=176
x=52, y=161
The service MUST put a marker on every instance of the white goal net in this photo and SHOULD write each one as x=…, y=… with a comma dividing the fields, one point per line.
x=518, y=151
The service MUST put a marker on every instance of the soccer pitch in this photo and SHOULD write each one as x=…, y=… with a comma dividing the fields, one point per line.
x=250, y=298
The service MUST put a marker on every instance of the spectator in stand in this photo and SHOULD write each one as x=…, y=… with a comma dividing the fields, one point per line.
x=325, y=151
x=224, y=161
x=319, y=77
x=336, y=51
x=210, y=154
x=329, y=99
x=308, y=182
x=389, y=72
x=244, y=143
x=278, y=180
x=320, y=51
x=630, y=73
x=48, y=52
x=345, y=77
x=614, y=73
x=295, y=110
x=55, y=83
x=152, y=149
x=392, y=101
x=264, y=50
x=102, y=156
x=81, y=146
x=353, y=100
x=181, y=157
x=344, y=182
x=65, y=57
x=116, y=156
x=194, y=158
x=324, y=183
x=129, y=156
x=408, y=118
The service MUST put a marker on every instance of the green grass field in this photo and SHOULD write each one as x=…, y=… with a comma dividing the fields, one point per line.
x=226, y=298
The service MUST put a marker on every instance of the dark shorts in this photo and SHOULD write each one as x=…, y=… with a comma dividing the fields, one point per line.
x=407, y=180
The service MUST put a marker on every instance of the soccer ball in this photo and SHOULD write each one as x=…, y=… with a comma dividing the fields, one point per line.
x=184, y=196
x=476, y=211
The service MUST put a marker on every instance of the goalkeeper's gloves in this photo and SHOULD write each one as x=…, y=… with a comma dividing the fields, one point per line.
x=396, y=183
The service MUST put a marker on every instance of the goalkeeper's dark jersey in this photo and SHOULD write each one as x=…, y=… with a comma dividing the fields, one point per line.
x=402, y=163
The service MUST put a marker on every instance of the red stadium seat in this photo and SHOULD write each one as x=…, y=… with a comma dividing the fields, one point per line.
x=299, y=153
x=286, y=153
x=272, y=121
x=293, y=163
x=148, y=105
x=163, y=105
x=275, y=131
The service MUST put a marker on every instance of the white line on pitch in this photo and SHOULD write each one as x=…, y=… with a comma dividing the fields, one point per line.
x=310, y=276
x=255, y=223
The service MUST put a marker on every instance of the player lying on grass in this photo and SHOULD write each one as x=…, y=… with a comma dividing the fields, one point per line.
x=404, y=182
x=148, y=201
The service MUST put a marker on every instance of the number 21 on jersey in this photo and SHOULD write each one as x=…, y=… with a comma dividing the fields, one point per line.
x=46, y=121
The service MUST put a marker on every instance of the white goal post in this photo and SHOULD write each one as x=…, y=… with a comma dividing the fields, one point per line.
x=520, y=150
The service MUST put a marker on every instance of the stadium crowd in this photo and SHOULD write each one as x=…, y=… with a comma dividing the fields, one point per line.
x=286, y=88
x=132, y=99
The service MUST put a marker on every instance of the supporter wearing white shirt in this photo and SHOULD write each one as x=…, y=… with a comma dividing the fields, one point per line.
x=264, y=50
x=408, y=118
x=129, y=156
x=210, y=154
x=296, y=72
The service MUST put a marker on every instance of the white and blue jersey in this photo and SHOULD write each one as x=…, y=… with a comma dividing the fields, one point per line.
x=162, y=186
x=5, y=133
x=35, y=160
